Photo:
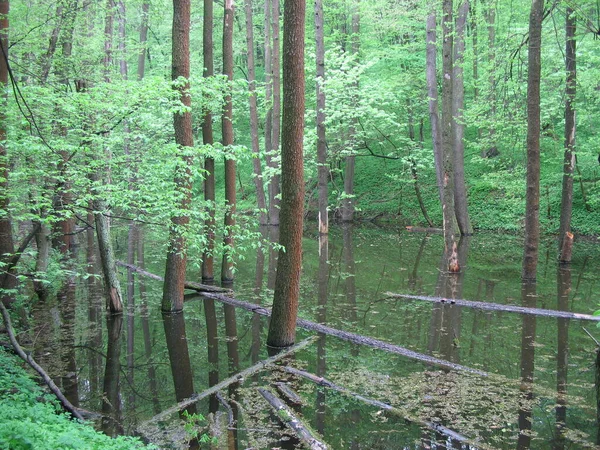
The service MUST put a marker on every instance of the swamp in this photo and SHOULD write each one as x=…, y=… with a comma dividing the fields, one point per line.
x=407, y=373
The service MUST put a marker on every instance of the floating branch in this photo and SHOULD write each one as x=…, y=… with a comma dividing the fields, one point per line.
x=384, y=406
x=199, y=287
x=288, y=418
x=499, y=307
x=261, y=365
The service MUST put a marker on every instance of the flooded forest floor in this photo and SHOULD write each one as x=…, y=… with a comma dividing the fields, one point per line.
x=381, y=362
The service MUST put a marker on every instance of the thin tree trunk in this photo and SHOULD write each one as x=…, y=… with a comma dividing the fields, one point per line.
x=182, y=123
x=447, y=133
x=475, y=36
x=275, y=185
x=227, y=130
x=143, y=41
x=52, y=43
x=108, y=35
x=269, y=98
x=492, y=150
x=566, y=205
x=322, y=168
x=348, y=203
x=532, y=211
x=208, y=274
x=432, y=92
x=282, y=329
x=258, y=179
x=6, y=236
x=458, y=100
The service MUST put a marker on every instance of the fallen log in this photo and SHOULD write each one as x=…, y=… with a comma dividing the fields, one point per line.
x=498, y=307
x=351, y=337
x=320, y=381
x=290, y=395
x=261, y=365
x=288, y=418
x=199, y=287
x=345, y=335
x=423, y=229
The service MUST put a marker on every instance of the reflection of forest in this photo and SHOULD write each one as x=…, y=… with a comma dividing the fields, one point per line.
x=131, y=368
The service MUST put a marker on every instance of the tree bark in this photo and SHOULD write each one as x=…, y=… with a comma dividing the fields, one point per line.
x=208, y=275
x=322, y=168
x=141, y=68
x=282, y=329
x=275, y=185
x=492, y=149
x=432, y=93
x=227, y=131
x=349, y=202
x=182, y=123
x=566, y=205
x=449, y=221
x=6, y=236
x=258, y=178
x=532, y=211
x=458, y=102
x=108, y=35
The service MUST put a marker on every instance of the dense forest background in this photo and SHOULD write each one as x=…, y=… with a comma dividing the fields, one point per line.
x=90, y=106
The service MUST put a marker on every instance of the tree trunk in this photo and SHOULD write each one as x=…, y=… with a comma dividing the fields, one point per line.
x=258, y=179
x=532, y=211
x=475, y=36
x=566, y=205
x=458, y=101
x=447, y=132
x=348, y=203
x=208, y=274
x=108, y=35
x=52, y=43
x=112, y=286
x=492, y=150
x=227, y=130
x=269, y=99
x=182, y=123
x=275, y=185
x=143, y=41
x=6, y=236
x=282, y=329
x=432, y=93
x=322, y=168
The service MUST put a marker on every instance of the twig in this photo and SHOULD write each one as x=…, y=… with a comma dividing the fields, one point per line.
x=590, y=335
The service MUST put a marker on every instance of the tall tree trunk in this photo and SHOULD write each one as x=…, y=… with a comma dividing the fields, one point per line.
x=141, y=67
x=492, y=149
x=227, y=130
x=432, y=93
x=208, y=274
x=108, y=36
x=6, y=236
x=475, y=37
x=348, y=204
x=448, y=213
x=182, y=123
x=532, y=211
x=269, y=98
x=275, y=185
x=282, y=329
x=258, y=179
x=322, y=168
x=566, y=205
x=458, y=102
x=52, y=43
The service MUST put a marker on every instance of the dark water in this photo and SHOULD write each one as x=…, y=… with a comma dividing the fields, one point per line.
x=520, y=381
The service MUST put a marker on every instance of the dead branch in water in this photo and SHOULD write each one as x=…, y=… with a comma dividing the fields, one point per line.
x=199, y=287
x=225, y=383
x=289, y=419
x=320, y=381
x=499, y=307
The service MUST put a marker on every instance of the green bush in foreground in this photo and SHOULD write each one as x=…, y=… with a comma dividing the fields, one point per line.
x=32, y=419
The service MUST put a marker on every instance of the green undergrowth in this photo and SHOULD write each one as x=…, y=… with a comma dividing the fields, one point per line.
x=33, y=419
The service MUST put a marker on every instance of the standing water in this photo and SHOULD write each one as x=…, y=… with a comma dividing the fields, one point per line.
x=383, y=371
